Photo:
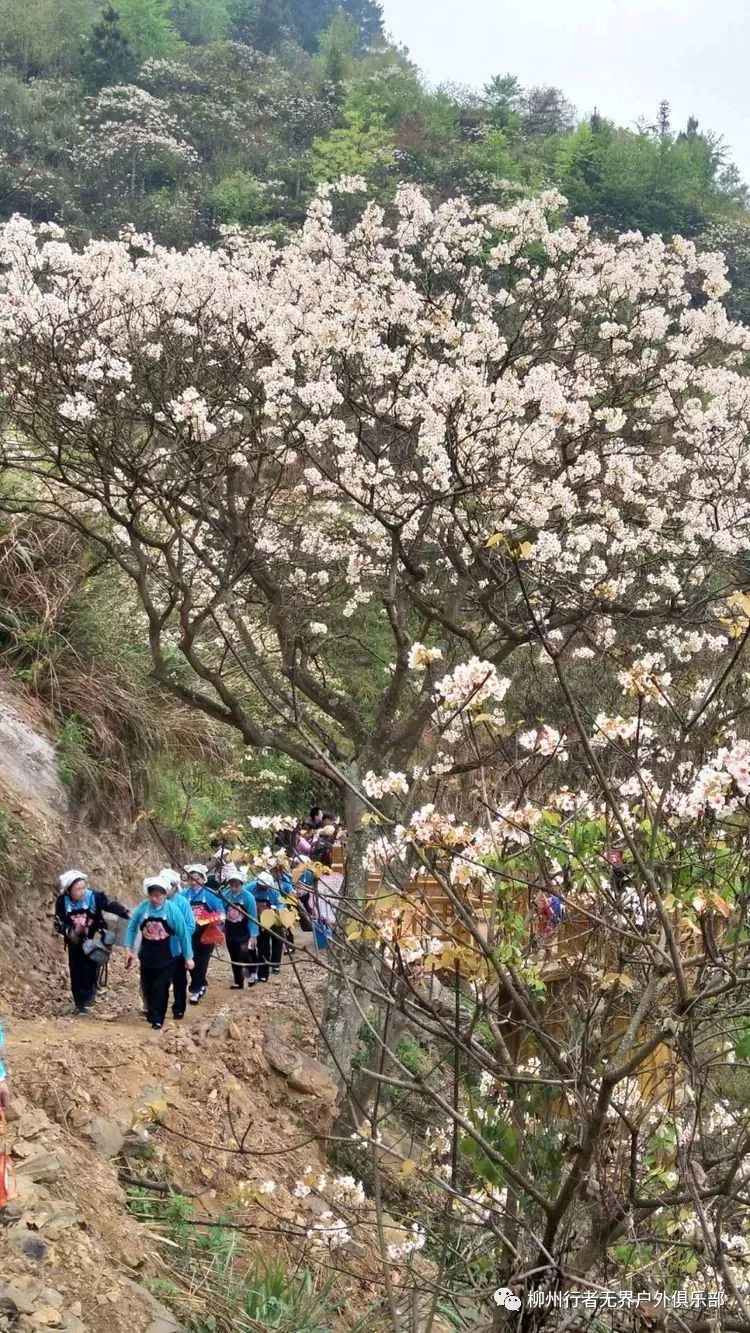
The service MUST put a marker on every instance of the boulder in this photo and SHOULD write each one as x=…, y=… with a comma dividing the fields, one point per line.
x=14, y=1300
x=219, y=1027
x=41, y=1169
x=106, y=1136
x=302, y=1072
x=311, y=1077
x=32, y=1121
x=28, y=1245
x=46, y=1317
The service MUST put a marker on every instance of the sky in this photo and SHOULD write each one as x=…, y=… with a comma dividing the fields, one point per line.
x=620, y=56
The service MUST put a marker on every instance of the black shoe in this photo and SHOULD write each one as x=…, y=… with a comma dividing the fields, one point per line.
x=177, y=1017
x=262, y=978
x=195, y=998
x=157, y=1026
x=276, y=970
x=237, y=985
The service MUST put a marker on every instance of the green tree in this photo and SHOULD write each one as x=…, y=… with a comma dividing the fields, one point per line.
x=200, y=21
x=148, y=28
x=310, y=18
x=491, y=157
x=503, y=97
x=108, y=57
x=240, y=199
x=354, y=150
x=383, y=86
x=336, y=47
x=368, y=16
x=43, y=37
x=545, y=111
x=264, y=24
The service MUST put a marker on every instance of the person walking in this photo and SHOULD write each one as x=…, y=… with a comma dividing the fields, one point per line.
x=208, y=923
x=160, y=923
x=173, y=883
x=78, y=918
x=270, y=938
x=241, y=928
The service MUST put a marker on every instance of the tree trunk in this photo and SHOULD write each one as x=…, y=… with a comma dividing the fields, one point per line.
x=342, y=1019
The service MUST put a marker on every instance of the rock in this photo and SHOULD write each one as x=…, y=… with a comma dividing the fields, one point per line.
x=311, y=1077
x=28, y=1245
x=46, y=1317
x=219, y=1027
x=14, y=1300
x=106, y=1136
x=16, y=1109
x=280, y=1057
x=32, y=1122
x=163, y=1326
x=302, y=1072
x=151, y=1107
x=42, y=1169
x=53, y=1216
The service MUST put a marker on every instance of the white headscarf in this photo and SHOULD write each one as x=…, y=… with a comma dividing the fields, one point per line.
x=154, y=881
x=197, y=869
x=69, y=877
x=170, y=877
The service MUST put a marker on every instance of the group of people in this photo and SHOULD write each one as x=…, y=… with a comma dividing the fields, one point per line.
x=174, y=930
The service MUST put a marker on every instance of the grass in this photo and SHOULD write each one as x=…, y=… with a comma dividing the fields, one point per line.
x=216, y=1286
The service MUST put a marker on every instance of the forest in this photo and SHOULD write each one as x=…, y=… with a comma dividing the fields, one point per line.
x=182, y=118
x=385, y=448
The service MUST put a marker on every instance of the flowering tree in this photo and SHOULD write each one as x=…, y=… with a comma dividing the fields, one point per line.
x=435, y=505
x=127, y=131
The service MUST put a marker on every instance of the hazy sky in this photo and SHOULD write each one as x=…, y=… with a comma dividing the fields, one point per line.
x=622, y=56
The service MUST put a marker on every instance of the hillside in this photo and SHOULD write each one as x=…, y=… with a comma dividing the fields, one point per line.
x=73, y=1253
x=181, y=118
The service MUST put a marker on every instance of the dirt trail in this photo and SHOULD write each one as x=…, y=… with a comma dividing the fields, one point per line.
x=84, y=1092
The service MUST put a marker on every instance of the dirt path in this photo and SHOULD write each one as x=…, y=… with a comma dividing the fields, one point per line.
x=84, y=1089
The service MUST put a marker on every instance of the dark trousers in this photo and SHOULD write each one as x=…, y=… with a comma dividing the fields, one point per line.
x=83, y=975
x=179, y=988
x=242, y=951
x=270, y=947
x=201, y=959
x=156, y=982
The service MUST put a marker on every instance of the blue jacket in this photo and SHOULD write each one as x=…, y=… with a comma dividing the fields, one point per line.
x=183, y=907
x=174, y=918
x=2, y=1043
x=245, y=900
x=86, y=915
x=265, y=896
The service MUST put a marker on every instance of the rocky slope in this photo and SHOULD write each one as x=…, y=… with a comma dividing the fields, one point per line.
x=101, y=1103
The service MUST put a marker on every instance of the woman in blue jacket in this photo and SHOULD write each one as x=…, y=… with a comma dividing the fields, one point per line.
x=241, y=928
x=208, y=919
x=78, y=917
x=161, y=925
x=270, y=941
x=173, y=884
